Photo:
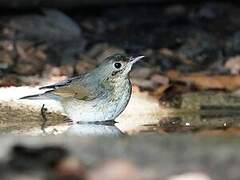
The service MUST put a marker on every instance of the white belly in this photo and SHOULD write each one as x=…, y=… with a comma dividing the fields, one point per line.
x=100, y=109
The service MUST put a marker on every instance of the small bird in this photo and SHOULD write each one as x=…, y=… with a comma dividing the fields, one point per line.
x=98, y=96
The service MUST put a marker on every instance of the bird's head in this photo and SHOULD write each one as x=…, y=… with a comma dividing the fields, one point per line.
x=117, y=67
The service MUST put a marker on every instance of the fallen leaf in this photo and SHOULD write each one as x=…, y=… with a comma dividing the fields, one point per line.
x=206, y=82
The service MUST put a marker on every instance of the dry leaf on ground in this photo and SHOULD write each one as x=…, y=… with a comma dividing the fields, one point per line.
x=204, y=82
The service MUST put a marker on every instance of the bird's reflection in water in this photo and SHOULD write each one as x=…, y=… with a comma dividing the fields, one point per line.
x=189, y=123
x=94, y=130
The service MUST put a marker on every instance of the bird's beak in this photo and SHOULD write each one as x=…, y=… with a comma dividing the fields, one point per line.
x=134, y=60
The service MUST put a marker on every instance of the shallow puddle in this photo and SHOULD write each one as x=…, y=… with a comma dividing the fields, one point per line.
x=193, y=112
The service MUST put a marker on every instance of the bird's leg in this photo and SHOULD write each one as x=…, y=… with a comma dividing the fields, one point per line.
x=44, y=122
x=43, y=114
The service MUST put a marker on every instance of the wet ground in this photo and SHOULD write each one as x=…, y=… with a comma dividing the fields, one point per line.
x=210, y=113
x=189, y=48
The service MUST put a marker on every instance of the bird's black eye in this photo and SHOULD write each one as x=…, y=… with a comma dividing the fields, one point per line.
x=117, y=65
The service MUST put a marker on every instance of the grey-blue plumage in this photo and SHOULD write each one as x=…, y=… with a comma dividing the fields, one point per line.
x=99, y=95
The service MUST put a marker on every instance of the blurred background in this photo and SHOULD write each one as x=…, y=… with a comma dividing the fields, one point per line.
x=42, y=39
x=191, y=71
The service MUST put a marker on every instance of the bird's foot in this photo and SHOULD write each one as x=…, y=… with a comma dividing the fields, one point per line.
x=44, y=118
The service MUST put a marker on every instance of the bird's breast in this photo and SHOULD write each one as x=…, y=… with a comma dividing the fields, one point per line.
x=105, y=107
x=117, y=100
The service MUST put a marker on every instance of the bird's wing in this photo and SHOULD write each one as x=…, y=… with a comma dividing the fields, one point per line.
x=61, y=83
x=73, y=87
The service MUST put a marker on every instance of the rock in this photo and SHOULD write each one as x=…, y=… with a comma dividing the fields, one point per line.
x=51, y=26
x=61, y=35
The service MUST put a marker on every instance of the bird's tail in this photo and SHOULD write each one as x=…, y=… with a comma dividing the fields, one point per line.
x=45, y=95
